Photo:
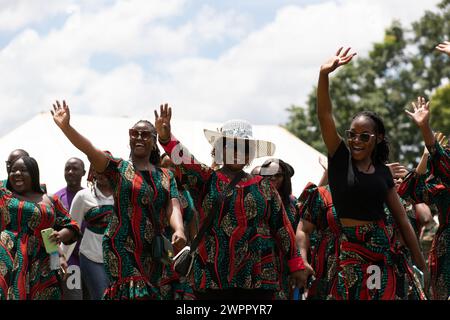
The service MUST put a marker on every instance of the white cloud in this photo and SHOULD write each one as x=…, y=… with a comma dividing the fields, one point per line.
x=277, y=65
x=19, y=13
x=264, y=72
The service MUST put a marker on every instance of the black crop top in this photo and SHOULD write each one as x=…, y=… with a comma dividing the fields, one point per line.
x=364, y=200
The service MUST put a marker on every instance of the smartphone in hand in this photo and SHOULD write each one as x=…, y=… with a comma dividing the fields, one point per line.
x=50, y=246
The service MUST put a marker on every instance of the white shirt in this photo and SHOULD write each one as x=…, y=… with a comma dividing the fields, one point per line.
x=91, y=243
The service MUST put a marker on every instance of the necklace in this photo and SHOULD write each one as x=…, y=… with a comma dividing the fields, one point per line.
x=368, y=168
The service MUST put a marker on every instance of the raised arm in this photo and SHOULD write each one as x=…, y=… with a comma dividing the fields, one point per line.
x=439, y=156
x=194, y=174
x=421, y=117
x=324, y=108
x=61, y=116
x=422, y=165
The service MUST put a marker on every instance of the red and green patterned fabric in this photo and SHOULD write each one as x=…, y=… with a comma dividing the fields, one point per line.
x=361, y=249
x=242, y=248
x=433, y=189
x=187, y=207
x=370, y=265
x=127, y=240
x=408, y=286
x=31, y=277
x=97, y=218
x=439, y=164
x=293, y=216
x=316, y=207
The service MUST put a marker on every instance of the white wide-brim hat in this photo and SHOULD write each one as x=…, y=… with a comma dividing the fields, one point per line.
x=240, y=129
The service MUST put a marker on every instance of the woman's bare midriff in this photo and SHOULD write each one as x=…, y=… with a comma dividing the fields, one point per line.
x=346, y=222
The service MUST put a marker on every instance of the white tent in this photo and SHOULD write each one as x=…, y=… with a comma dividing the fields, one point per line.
x=47, y=144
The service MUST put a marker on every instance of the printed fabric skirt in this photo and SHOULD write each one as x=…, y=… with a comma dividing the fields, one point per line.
x=368, y=265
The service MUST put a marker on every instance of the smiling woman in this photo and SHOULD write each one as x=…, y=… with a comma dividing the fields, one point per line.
x=244, y=225
x=30, y=211
x=144, y=193
x=361, y=184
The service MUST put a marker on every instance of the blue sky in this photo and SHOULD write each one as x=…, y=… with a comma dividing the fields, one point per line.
x=212, y=60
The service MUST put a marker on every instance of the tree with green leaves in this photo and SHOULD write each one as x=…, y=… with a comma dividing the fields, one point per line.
x=396, y=71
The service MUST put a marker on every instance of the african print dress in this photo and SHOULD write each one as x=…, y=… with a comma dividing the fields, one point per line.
x=293, y=216
x=127, y=241
x=316, y=207
x=241, y=250
x=433, y=189
x=31, y=277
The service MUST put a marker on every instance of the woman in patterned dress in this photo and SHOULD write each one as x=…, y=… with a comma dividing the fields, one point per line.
x=29, y=210
x=238, y=256
x=433, y=188
x=280, y=174
x=143, y=193
x=318, y=218
x=361, y=185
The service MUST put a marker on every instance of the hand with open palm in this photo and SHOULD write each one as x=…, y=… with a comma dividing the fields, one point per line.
x=421, y=114
x=61, y=115
x=162, y=122
x=340, y=59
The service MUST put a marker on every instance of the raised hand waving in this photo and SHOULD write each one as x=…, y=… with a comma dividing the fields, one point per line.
x=340, y=59
x=162, y=122
x=421, y=114
x=61, y=114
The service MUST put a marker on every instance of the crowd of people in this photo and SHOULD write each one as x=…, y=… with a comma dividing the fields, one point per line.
x=361, y=233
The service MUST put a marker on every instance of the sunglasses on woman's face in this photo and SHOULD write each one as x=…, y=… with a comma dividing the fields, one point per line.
x=364, y=137
x=144, y=134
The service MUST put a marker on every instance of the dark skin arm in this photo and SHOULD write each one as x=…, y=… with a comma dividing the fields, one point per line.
x=324, y=108
x=423, y=214
x=421, y=117
x=61, y=116
x=176, y=223
x=64, y=235
x=304, y=229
